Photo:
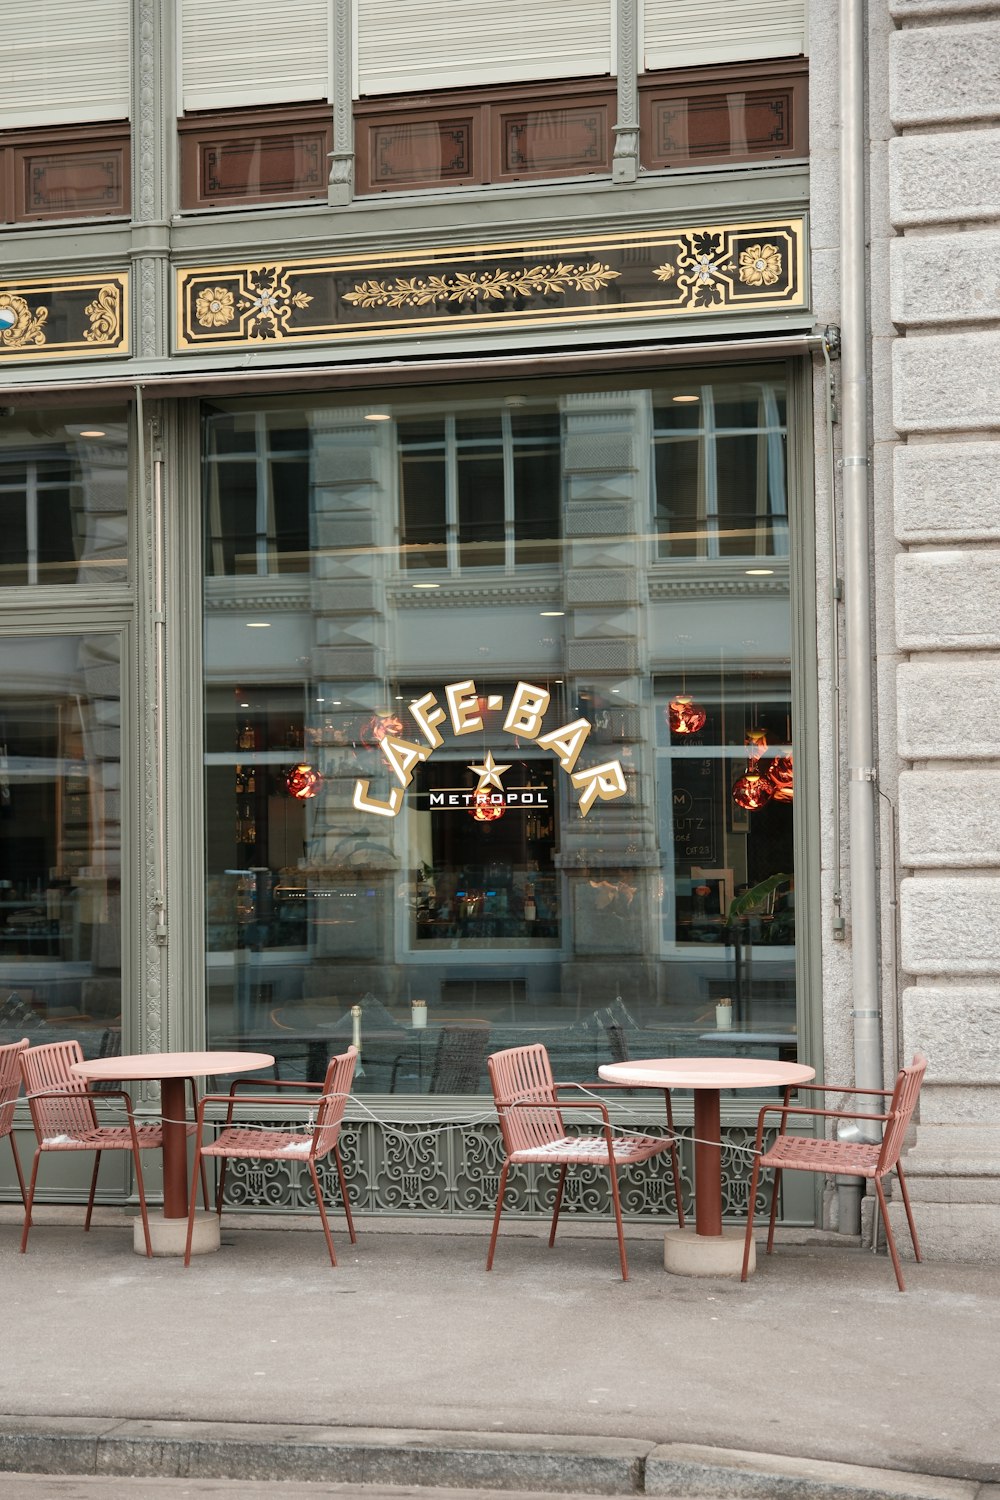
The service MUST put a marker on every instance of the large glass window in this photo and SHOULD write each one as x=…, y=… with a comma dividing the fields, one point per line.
x=513, y=758
x=60, y=840
x=63, y=494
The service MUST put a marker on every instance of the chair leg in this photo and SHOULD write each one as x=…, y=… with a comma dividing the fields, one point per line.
x=751, y=1202
x=343, y=1194
x=141, y=1189
x=888, y=1236
x=93, y=1190
x=496, y=1216
x=322, y=1209
x=774, y=1210
x=31, y=1199
x=616, y=1200
x=17, y=1166
x=558, y=1204
x=204, y=1187
x=909, y=1212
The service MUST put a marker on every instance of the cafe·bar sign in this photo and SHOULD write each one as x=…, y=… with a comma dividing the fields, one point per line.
x=523, y=721
x=654, y=272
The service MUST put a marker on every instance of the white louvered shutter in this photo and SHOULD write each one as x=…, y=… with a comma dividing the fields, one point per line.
x=62, y=61
x=250, y=52
x=437, y=44
x=677, y=34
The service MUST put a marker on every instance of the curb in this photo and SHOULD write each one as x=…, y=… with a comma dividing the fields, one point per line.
x=491, y=1461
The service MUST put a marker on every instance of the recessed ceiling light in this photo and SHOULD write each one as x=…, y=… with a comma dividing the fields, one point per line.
x=426, y=585
x=681, y=400
x=378, y=416
x=759, y=572
x=552, y=614
x=92, y=432
x=258, y=624
x=337, y=702
x=244, y=705
x=320, y=700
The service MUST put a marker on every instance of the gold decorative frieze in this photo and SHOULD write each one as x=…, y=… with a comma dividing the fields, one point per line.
x=643, y=274
x=59, y=317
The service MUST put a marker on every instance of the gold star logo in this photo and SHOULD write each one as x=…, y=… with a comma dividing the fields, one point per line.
x=489, y=773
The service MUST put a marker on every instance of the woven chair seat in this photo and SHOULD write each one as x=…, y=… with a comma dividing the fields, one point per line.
x=105, y=1138
x=855, y=1159
x=234, y=1141
x=576, y=1149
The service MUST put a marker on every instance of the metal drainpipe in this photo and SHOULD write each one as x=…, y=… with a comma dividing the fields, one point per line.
x=858, y=644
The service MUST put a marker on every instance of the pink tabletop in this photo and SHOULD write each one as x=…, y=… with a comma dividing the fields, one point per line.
x=171, y=1065
x=707, y=1073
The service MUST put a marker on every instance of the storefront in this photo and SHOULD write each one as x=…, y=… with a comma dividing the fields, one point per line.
x=438, y=715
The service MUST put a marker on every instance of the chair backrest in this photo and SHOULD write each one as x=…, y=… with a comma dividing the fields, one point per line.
x=10, y=1082
x=458, y=1059
x=336, y=1087
x=900, y=1111
x=524, y=1074
x=45, y=1069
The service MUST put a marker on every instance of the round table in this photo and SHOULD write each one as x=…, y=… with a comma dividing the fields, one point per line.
x=707, y=1250
x=170, y=1069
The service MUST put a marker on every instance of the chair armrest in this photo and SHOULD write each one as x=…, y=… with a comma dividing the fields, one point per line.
x=795, y=1109
x=561, y=1103
x=272, y=1083
x=832, y=1088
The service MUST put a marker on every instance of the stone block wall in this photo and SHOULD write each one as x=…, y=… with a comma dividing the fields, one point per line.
x=941, y=72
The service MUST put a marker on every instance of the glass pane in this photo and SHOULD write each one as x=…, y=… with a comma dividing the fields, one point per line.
x=63, y=496
x=453, y=806
x=60, y=841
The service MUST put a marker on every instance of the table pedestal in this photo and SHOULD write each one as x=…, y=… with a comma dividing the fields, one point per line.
x=688, y=1253
x=168, y=1236
x=708, y=1249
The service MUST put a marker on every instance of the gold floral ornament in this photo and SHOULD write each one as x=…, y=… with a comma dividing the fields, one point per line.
x=105, y=316
x=760, y=265
x=214, y=307
x=665, y=272
x=18, y=325
x=487, y=286
x=269, y=302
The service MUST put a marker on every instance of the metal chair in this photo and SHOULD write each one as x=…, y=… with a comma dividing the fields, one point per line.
x=531, y=1124
x=851, y=1158
x=64, y=1118
x=328, y=1099
x=10, y=1087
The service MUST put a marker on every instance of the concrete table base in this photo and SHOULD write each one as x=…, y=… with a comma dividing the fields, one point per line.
x=687, y=1253
x=168, y=1236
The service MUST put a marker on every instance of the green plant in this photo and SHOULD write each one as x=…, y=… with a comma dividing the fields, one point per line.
x=749, y=901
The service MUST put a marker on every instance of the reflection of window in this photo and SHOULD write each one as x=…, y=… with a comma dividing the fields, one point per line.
x=257, y=494
x=719, y=456
x=480, y=491
x=40, y=501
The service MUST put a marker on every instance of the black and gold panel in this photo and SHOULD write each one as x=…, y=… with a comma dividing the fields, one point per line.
x=657, y=273
x=59, y=317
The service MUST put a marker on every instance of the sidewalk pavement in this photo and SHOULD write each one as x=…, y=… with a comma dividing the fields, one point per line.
x=409, y=1365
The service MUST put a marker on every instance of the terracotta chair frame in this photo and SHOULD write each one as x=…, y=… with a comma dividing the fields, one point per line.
x=873, y=1161
x=329, y=1098
x=521, y=1080
x=10, y=1087
x=62, y=1105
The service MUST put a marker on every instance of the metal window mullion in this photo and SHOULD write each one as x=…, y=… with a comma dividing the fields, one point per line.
x=31, y=521
x=708, y=473
x=263, y=517
x=509, y=498
x=451, y=517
